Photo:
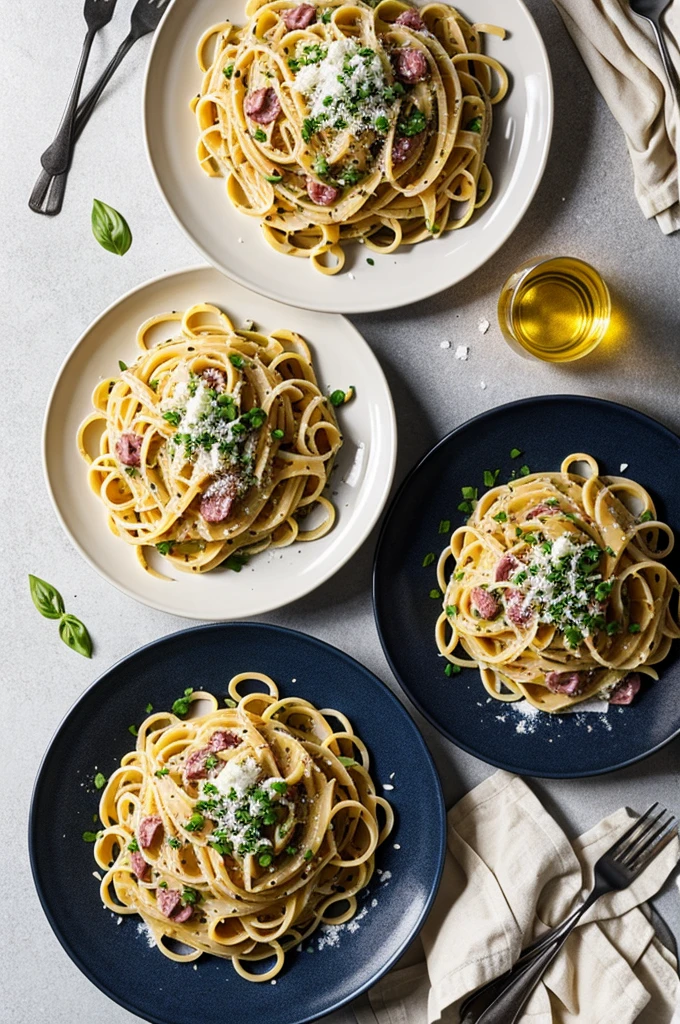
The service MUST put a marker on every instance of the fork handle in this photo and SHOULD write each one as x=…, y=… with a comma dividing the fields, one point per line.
x=55, y=185
x=508, y=1006
x=484, y=996
x=665, y=56
x=56, y=157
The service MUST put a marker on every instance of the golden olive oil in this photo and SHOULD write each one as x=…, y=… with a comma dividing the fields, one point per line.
x=554, y=309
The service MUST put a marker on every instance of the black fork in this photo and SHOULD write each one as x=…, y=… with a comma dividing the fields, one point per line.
x=55, y=159
x=145, y=18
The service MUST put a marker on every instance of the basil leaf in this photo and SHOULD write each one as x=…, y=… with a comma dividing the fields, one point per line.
x=110, y=228
x=46, y=598
x=75, y=635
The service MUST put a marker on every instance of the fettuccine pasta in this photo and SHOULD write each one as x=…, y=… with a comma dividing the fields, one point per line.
x=557, y=591
x=240, y=831
x=213, y=442
x=336, y=120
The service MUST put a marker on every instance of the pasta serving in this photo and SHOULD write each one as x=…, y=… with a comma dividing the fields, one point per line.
x=239, y=831
x=340, y=120
x=557, y=591
x=213, y=442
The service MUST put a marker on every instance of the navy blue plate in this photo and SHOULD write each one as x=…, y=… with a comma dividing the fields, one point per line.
x=546, y=430
x=93, y=737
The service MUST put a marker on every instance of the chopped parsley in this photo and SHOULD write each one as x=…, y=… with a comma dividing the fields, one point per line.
x=228, y=71
x=273, y=178
x=133, y=846
x=336, y=397
x=414, y=124
x=475, y=125
x=259, y=135
x=490, y=477
x=634, y=627
x=236, y=562
x=174, y=842
x=99, y=780
x=524, y=471
x=90, y=837
x=370, y=261
x=190, y=896
x=444, y=526
x=515, y=453
x=348, y=762
x=195, y=823
x=501, y=517
x=645, y=516
x=308, y=854
x=451, y=669
x=430, y=557
x=148, y=708
x=161, y=772
x=277, y=434
x=133, y=729
x=452, y=610
x=181, y=706
x=435, y=594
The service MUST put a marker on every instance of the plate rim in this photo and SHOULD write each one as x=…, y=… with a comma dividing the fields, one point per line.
x=272, y=605
x=366, y=306
x=265, y=627
x=406, y=482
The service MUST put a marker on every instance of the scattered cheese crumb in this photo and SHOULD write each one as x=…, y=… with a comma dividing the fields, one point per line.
x=623, y=467
x=387, y=785
x=445, y=344
x=397, y=846
x=273, y=981
x=482, y=385
x=240, y=240
x=462, y=352
x=483, y=326
x=97, y=876
x=351, y=276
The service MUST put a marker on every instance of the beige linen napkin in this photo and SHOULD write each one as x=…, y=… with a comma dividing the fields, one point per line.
x=510, y=873
x=621, y=54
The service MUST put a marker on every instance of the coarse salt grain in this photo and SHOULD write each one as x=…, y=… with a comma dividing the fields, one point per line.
x=462, y=352
x=445, y=344
x=482, y=385
x=483, y=326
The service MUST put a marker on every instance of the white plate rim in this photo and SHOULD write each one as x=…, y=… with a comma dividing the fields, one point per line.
x=361, y=535
x=359, y=306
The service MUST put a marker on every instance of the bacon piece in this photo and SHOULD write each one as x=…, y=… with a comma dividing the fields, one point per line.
x=626, y=690
x=222, y=739
x=183, y=915
x=543, y=510
x=411, y=19
x=195, y=765
x=322, y=195
x=299, y=17
x=515, y=610
x=484, y=602
x=505, y=567
x=169, y=902
x=403, y=147
x=148, y=828
x=262, y=105
x=410, y=65
x=218, y=500
x=564, y=682
x=214, y=378
x=129, y=449
x=139, y=865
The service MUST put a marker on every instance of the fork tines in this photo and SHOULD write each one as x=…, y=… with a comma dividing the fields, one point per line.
x=645, y=839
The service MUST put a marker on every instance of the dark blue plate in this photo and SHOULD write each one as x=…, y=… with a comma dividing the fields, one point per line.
x=94, y=735
x=546, y=430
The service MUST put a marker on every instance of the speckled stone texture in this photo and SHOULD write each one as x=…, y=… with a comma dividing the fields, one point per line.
x=55, y=280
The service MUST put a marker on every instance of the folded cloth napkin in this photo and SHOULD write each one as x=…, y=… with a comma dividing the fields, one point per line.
x=510, y=874
x=621, y=54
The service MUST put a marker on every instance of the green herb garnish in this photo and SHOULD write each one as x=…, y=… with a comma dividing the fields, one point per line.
x=99, y=780
x=110, y=228
x=181, y=706
x=430, y=557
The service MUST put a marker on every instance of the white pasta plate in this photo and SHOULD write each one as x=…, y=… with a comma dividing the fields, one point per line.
x=233, y=242
x=359, y=484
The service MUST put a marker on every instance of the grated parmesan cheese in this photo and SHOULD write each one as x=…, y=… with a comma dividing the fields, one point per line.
x=331, y=85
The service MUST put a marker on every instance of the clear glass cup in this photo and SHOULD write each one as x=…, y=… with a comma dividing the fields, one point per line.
x=555, y=308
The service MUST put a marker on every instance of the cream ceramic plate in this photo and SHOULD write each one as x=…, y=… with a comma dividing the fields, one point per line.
x=232, y=242
x=360, y=483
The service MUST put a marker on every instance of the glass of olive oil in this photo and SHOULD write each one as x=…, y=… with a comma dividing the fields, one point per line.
x=555, y=308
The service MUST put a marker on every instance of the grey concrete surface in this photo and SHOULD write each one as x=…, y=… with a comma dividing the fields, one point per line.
x=55, y=280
